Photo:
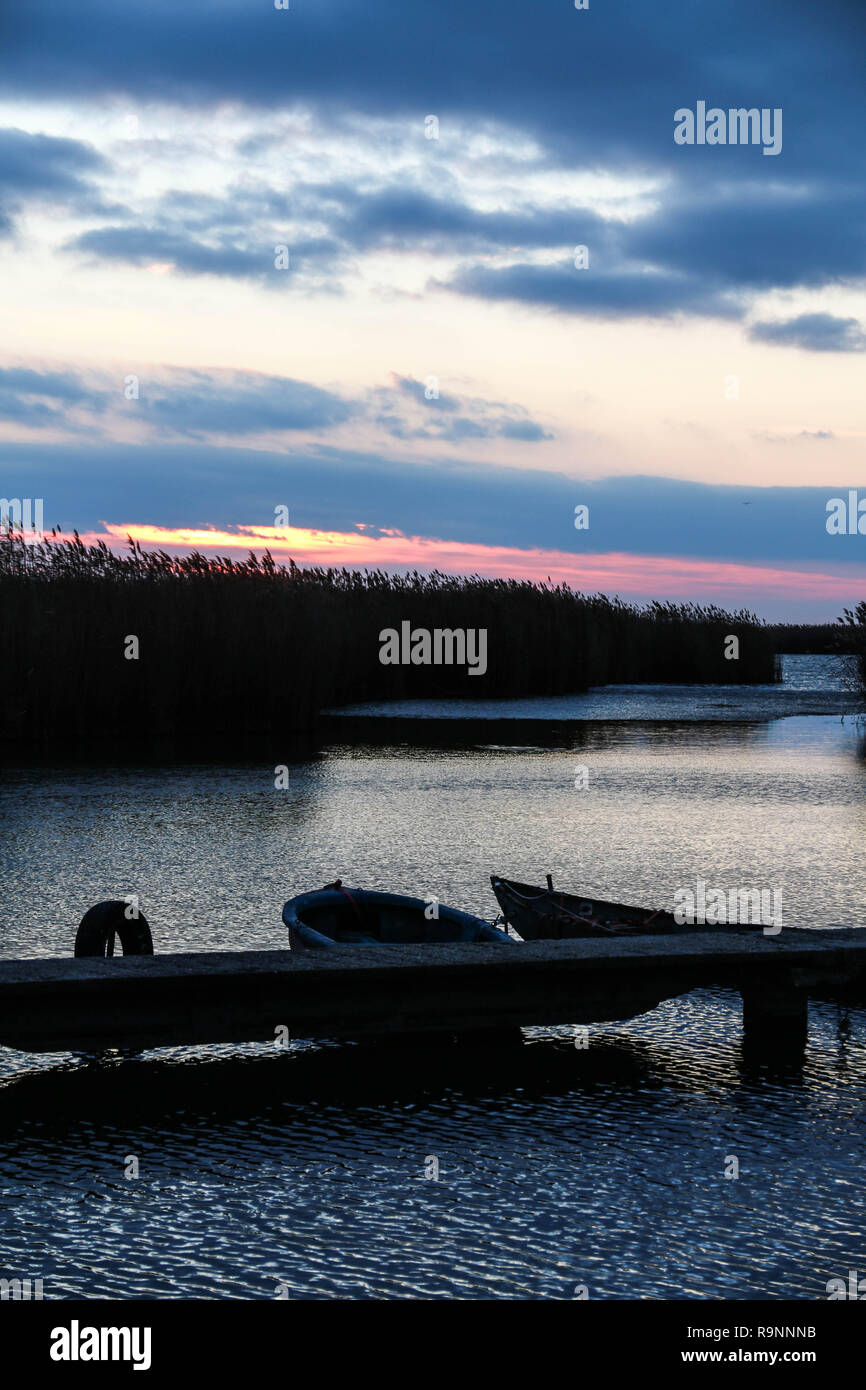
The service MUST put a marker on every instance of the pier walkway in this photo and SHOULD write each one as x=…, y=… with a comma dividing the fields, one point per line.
x=51, y=1005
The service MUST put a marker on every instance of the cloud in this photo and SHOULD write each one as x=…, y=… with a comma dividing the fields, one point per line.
x=751, y=236
x=39, y=167
x=199, y=233
x=40, y=400
x=546, y=68
x=698, y=255
x=526, y=430
x=183, y=252
x=411, y=218
x=599, y=294
x=795, y=436
x=692, y=256
x=46, y=164
x=444, y=415
x=332, y=489
x=183, y=403
x=197, y=403
x=558, y=93
x=812, y=332
x=64, y=386
x=722, y=224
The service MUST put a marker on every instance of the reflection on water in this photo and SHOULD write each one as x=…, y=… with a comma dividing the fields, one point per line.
x=808, y=685
x=556, y=1166
x=213, y=853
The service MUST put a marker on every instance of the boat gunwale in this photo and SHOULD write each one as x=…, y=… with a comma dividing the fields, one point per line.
x=294, y=908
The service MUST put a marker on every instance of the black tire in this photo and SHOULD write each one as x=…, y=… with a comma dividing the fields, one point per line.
x=100, y=924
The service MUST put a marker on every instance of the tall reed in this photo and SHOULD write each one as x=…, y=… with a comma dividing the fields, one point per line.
x=234, y=652
x=854, y=644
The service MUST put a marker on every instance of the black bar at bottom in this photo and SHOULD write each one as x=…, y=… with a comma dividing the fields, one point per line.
x=257, y=1339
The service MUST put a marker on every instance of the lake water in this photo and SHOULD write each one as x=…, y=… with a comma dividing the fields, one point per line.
x=304, y=1171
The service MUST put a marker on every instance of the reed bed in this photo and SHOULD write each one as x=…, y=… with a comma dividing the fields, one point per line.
x=241, y=654
x=854, y=644
x=814, y=639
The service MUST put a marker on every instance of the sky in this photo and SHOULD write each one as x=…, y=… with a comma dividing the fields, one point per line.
x=403, y=287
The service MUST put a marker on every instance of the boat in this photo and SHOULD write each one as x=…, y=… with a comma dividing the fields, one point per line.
x=546, y=914
x=339, y=916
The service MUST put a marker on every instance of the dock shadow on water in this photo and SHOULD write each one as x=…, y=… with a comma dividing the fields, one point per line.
x=321, y=1171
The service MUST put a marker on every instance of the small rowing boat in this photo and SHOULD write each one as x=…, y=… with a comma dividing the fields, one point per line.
x=545, y=914
x=338, y=916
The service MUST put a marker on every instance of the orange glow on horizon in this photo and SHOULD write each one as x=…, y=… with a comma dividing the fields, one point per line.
x=611, y=572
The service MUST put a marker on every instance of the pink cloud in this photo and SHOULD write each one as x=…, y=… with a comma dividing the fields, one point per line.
x=638, y=576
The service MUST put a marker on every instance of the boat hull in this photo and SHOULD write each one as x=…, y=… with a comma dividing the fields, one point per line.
x=545, y=914
x=336, y=916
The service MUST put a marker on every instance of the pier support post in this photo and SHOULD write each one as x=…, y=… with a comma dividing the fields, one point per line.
x=775, y=1017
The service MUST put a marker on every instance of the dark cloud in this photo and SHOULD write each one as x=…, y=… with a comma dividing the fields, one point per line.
x=814, y=332
x=64, y=386
x=41, y=167
x=40, y=400
x=149, y=245
x=208, y=235
x=34, y=414
x=410, y=218
x=758, y=238
x=689, y=256
x=699, y=258
x=611, y=294
x=526, y=430
x=596, y=90
x=600, y=85
x=694, y=256
x=45, y=164
x=188, y=403
x=199, y=403
x=334, y=489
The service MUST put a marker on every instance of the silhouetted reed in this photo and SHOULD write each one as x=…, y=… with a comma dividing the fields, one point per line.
x=854, y=643
x=822, y=639
x=239, y=653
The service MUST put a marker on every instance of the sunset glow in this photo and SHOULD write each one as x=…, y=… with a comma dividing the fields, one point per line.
x=638, y=576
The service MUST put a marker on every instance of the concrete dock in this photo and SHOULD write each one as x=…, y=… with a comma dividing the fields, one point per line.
x=136, y=1002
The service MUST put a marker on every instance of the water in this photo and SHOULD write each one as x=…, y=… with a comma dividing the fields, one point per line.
x=304, y=1171
x=809, y=685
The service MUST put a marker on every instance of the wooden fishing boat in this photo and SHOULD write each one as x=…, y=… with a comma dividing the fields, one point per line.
x=545, y=914
x=338, y=916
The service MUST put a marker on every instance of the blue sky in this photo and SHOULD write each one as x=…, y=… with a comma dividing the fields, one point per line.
x=434, y=378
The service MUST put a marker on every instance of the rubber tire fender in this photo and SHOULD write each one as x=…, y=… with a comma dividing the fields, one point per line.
x=99, y=925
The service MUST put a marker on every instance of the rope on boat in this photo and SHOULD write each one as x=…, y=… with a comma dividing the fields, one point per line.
x=609, y=928
x=338, y=885
x=525, y=896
